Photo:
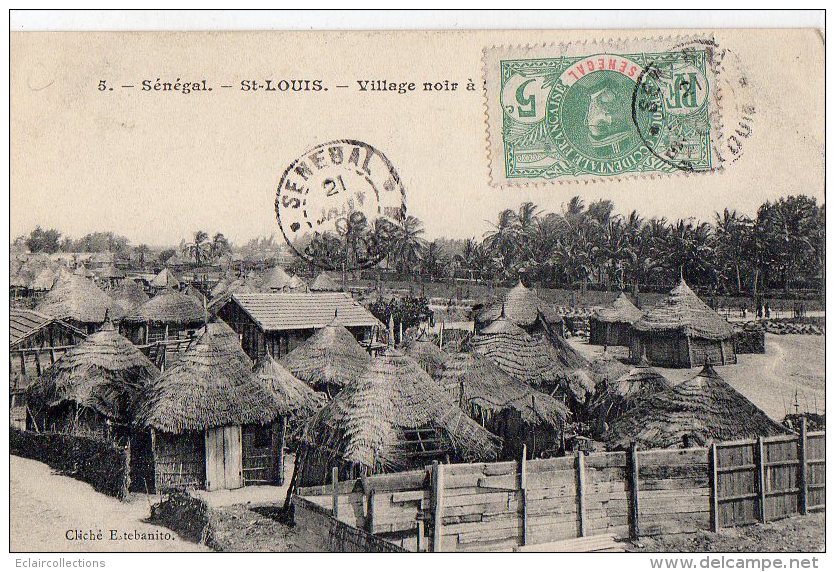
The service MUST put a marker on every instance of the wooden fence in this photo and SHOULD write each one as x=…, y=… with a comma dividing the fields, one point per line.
x=503, y=506
x=768, y=478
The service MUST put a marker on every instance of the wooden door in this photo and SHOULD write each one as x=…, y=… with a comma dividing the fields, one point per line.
x=233, y=457
x=223, y=458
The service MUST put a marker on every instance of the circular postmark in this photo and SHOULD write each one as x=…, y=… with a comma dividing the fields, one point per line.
x=339, y=205
x=674, y=85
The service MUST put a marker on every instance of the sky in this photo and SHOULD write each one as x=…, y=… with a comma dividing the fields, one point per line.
x=156, y=166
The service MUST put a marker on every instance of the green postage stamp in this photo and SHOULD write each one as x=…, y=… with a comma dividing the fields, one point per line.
x=601, y=110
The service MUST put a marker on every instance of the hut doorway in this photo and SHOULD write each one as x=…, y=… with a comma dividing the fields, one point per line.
x=141, y=462
x=224, y=459
x=262, y=451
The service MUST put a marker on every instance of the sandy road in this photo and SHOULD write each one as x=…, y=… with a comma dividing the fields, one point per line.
x=46, y=510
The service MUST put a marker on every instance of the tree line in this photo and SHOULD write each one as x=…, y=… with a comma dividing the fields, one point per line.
x=582, y=246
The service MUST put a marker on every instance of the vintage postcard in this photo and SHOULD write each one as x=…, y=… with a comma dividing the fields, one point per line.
x=417, y=291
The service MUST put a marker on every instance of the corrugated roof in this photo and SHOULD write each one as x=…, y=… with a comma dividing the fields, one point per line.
x=302, y=310
x=24, y=322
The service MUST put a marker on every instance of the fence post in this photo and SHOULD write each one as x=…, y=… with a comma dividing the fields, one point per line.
x=437, y=505
x=369, y=512
x=804, y=475
x=580, y=465
x=761, y=476
x=714, y=489
x=335, y=492
x=634, y=527
x=523, y=492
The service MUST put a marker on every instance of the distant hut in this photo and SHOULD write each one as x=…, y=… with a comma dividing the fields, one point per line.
x=324, y=283
x=505, y=406
x=618, y=396
x=166, y=279
x=44, y=281
x=534, y=360
x=612, y=326
x=296, y=402
x=695, y=412
x=277, y=280
x=110, y=276
x=426, y=352
x=128, y=296
x=329, y=360
x=681, y=331
x=79, y=302
x=168, y=315
x=93, y=388
x=394, y=417
x=199, y=408
x=524, y=308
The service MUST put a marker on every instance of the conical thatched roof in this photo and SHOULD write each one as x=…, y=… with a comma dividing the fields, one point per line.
x=620, y=395
x=294, y=397
x=165, y=279
x=278, y=279
x=324, y=283
x=211, y=385
x=622, y=310
x=683, y=311
x=104, y=373
x=220, y=288
x=521, y=306
x=169, y=307
x=704, y=408
x=77, y=298
x=330, y=357
x=128, y=295
x=367, y=423
x=488, y=390
x=426, y=353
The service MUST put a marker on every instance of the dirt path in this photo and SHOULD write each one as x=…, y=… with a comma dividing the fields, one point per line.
x=48, y=511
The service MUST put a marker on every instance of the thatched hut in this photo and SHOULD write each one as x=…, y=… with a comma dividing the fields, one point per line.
x=128, y=296
x=168, y=315
x=110, y=276
x=394, y=417
x=524, y=308
x=296, y=402
x=681, y=331
x=329, y=360
x=695, y=412
x=614, y=398
x=533, y=359
x=79, y=302
x=93, y=387
x=505, y=406
x=199, y=409
x=165, y=280
x=612, y=326
x=324, y=283
x=277, y=280
x=426, y=352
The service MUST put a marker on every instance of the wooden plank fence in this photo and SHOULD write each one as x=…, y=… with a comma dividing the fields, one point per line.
x=768, y=478
x=512, y=505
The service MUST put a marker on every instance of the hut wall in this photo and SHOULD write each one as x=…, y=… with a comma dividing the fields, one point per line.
x=749, y=342
x=179, y=460
x=609, y=333
x=663, y=349
x=720, y=352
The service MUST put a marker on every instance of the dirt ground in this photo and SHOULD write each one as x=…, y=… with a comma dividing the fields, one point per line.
x=790, y=363
x=797, y=534
x=252, y=528
x=54, y=513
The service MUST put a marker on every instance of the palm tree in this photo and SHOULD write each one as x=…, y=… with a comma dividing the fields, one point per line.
x=733, y=243
x=503, y=239
x=198, y=248
x=408, y=243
